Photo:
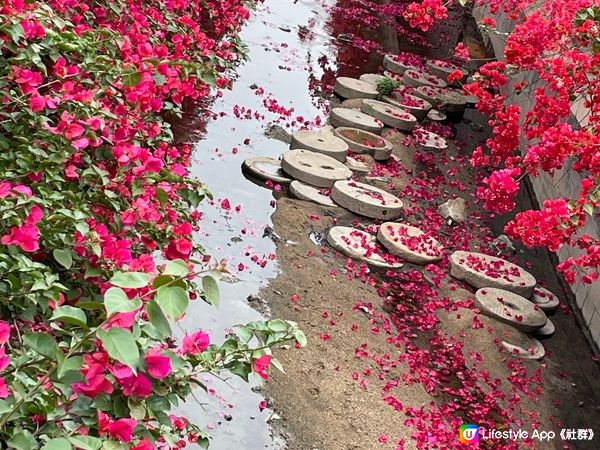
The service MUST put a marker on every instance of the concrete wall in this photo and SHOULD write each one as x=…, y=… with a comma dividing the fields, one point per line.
x=564, y=183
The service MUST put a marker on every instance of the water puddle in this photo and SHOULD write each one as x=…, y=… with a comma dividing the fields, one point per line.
x=291, y=57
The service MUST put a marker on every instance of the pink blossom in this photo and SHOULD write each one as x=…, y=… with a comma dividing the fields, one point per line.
x=261, y=365
x=195, y=343
x=157, y=364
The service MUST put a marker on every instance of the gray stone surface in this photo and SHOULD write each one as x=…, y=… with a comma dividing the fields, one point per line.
x=409, y=243
x=314, y=168
x=481, y=270
x=510, y=308
x=545, y=299
x=454, y=209
x=352, y=88
x=418, y=78
x=359, y=165
x=264, y=168
x=443, y=68
x=320, y=141
x=547, y=330
x=396, y=66
x=364, y=142
x=366, y=200
x=372, y=78
x=436, y=115
x=390, y=115
x=346, y=117
x=417, y=106
x=526, y=348
x=356, y=244
x=427, y=140
x=310, y=193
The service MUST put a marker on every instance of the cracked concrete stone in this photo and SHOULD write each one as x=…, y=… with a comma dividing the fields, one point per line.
x=545, y=299
x=265, y=168
x=364, y=142
x=390, y=115
x=409, y=243
x=357, y=244
x=346, y=117
x=510, y=308
x=347, y=87
x=366, y=200
x=314, y=168
x=417, y=77
x=417, y=106
x=320, y=141
x=310, y=193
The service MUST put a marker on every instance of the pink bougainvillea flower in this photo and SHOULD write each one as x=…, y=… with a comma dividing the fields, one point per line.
x=261, y=365
x=157, y=364
x=180, y=423
x=26, y=236
x=195, y=343
x=121, y=320
x=4, y=360
x=144, y=444
x=179, y=249
x=121, y=429
x=4, y=332
x=4, y=391
x=136, y=385
x=93, y=386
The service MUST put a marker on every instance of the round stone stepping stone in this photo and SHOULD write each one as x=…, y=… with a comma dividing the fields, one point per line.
x=430, y=94
x=314, y=168
x=363, y=142
x=545, y=299
x=481, y=270
x=395, y=76
x=359, y=245
x=547, y=330
x=352, y=103
x=345, y=117
x=391, y=116
x=322, y=141
x=436, y=115
x=411, y=103
x=409, y=243
x=372, y=78
x=394, y=64
x=416, y=78
x=427, y=140
x=510, y=308
x=352, y=88
x=366, y=200
x=356, y=165
x=526, y=348
x=444, y=68
x=310, y=193
x=265, y=168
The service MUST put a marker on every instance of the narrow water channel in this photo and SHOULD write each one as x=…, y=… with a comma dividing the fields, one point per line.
x=292, y=54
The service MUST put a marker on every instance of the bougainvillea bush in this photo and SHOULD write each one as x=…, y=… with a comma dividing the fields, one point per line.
x=553, y=53
x=97, y=215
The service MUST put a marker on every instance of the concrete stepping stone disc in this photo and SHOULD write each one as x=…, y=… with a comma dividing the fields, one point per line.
x=395, y=65
x=390, y=115
x=427, y=140
x=352, y=88
x=510, y=308
x=430, y=94
x=359, y=165
x=418, y=78
x=310, y=194
x=372, y=78
x=363, y=142
x=481, y=270
x=320, y=142
x=545, y=299
x=444, y=68
x=359, y=245
x=529, y=348
x=395, y=76
x=314, y=168
x=265, y=168
x=409, y=243
x=366, y=200
x=547, y=330
x=417, y=106
x=345, y=117
x=436, y=115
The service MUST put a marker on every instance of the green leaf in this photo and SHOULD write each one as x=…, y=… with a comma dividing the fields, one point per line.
x=71, y=364
x=589, y=208
x=172, y=300
x=86, y=442
x=277, y=325
x=120, y=345
x=211, y=290
x=116, y=301
x=245, y=334
x=23, y=440
x=70, y=315
x=132, y=280
x=300, y=338
x=177, y=268
x=158, y=319
x=64, y=256
x=131, y=79
x=57, y=444
x=42, y=343
x=241, y=369
x=137, y=410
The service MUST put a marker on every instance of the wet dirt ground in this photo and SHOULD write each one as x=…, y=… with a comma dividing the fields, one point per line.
x=330, y=397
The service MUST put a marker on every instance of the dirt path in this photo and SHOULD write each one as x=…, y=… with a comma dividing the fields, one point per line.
x=331, y=395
